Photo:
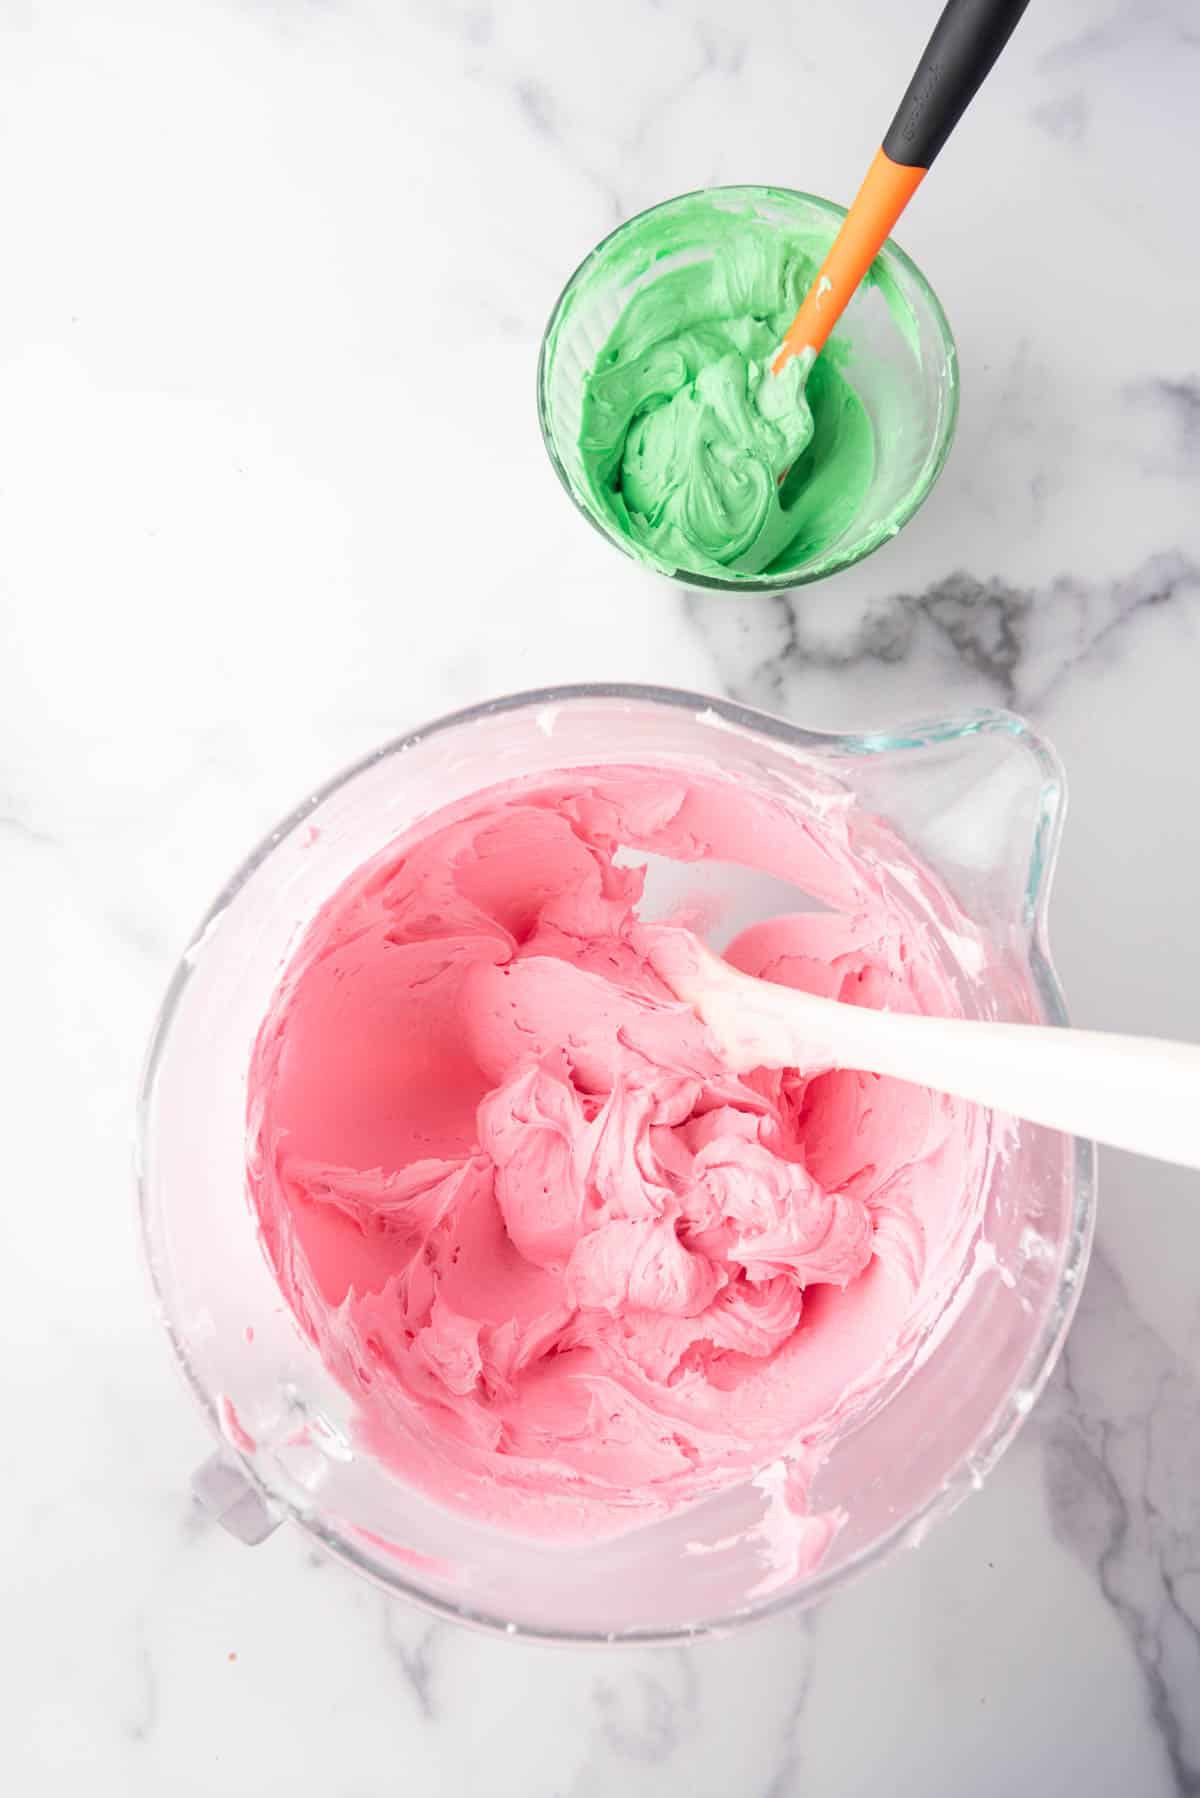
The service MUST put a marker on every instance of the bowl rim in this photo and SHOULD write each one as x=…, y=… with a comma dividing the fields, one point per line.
x=927, y=476
x=977, y=1460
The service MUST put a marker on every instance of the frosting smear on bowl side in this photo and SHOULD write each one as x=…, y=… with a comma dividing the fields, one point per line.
x=575, y=1272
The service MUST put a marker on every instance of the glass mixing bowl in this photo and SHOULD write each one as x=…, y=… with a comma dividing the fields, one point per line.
x=901, y=362
x=978, y=802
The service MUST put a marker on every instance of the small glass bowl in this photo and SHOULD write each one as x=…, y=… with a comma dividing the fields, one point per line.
x=901, y=362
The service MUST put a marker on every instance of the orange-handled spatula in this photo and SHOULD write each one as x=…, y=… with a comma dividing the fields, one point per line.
x=966, y=41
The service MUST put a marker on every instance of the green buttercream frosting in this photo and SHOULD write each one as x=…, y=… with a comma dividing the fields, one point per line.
x=684, y=430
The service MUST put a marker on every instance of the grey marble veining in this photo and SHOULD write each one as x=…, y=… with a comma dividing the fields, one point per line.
x=254, y=252
x=1003, y=644
x=1122, y=1431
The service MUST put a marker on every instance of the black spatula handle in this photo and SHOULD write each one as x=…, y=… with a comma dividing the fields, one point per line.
x=966, y=41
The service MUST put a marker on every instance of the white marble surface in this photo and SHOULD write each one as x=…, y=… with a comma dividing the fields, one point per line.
x=270, y=490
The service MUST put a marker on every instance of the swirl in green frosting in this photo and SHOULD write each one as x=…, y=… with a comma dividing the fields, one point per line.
x=684, y=429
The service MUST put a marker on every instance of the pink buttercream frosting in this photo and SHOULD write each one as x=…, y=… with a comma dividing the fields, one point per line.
x=575, y=1272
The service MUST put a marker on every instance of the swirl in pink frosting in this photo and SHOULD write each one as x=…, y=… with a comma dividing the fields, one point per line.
x=576, y=1273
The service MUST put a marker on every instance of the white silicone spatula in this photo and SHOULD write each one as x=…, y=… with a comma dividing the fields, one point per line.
x=1134, y=1092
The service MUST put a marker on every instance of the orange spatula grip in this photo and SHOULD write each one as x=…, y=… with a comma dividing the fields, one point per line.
x=880, y=200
